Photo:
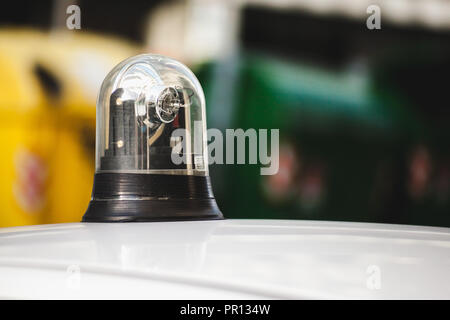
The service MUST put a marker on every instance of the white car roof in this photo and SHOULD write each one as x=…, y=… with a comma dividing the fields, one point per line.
x=228, y=259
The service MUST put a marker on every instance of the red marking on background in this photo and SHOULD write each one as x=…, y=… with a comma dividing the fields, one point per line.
x=176, y=122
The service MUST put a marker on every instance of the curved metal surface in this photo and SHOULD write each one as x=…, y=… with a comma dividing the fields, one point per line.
x=228, y=259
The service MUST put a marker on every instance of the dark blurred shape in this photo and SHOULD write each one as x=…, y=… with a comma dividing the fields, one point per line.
x=36, y=14
x=49, y=82
x=118, y=18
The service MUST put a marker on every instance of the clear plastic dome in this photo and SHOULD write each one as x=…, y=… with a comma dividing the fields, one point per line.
x=151, y=119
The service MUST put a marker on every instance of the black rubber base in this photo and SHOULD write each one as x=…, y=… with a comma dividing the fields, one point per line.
x=128, y=197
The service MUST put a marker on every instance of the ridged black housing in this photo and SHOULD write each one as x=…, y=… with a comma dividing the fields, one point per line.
x=131, y=197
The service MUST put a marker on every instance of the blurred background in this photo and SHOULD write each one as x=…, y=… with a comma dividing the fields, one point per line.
x=363, y=114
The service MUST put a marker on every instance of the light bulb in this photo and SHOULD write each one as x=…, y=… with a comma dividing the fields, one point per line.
x=142, y=103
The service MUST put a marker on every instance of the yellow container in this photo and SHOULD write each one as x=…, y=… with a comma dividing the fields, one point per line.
x=48, y=87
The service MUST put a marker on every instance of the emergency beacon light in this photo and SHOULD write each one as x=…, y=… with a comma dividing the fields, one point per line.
x=151, y=145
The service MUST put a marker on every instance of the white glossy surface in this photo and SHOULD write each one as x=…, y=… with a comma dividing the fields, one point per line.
x=225, y=260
